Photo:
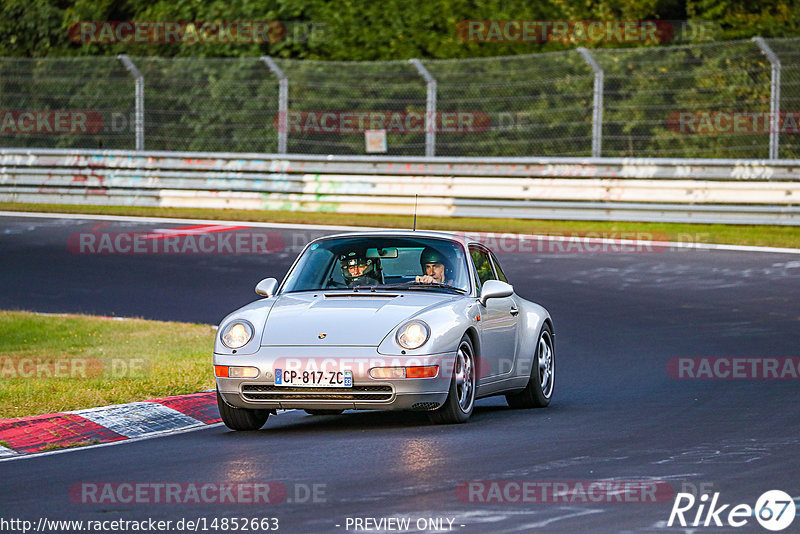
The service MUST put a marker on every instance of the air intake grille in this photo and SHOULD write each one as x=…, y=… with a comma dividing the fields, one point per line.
x=356, y=393
x=425, y=406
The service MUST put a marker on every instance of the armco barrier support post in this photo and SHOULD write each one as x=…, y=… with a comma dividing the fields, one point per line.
x=430, y=108
x=774, y=96
x=139, y=96
x=283, y=102
x=597, y=110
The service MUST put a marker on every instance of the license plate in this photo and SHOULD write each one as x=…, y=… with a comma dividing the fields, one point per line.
x=314, y=379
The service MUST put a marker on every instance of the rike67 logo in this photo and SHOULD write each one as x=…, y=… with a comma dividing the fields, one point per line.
x=774, y=510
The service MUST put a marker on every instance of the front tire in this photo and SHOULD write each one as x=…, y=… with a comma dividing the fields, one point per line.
x=539, y=391
x=461, y=398
x=241, y=418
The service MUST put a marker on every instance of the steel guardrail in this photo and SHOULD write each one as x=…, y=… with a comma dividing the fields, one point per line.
x=630, y=189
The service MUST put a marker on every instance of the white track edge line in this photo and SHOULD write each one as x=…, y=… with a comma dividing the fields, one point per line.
x=131, y=218
x=287, y=226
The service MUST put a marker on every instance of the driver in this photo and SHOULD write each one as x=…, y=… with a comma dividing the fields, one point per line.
x=358, y=270
x=435, y=267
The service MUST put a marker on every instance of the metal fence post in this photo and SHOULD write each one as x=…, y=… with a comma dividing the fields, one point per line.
x=774, y=96
x=430, y=108
x=139, y=95
x=597, y=111
x=283, y=102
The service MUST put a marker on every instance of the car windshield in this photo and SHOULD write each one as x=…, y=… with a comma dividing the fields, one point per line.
x=381, y=262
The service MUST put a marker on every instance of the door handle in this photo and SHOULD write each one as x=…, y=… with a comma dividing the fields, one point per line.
x=514, y=311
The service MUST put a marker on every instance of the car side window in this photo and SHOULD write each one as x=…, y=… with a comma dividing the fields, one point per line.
x=500, y=274
x=482, y=263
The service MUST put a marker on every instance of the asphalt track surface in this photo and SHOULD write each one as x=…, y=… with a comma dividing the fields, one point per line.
x=617, y=414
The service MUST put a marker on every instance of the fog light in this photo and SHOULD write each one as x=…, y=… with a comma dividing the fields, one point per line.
x=223, y=371
x=383, y=373
x=242, y=372
x=387, y=372
x=428, y=371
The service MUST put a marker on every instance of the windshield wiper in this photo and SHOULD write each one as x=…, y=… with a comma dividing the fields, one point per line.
x=414, y=285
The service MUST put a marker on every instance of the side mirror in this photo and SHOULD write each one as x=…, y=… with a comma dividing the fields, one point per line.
x=495, y=289
x=267, y=287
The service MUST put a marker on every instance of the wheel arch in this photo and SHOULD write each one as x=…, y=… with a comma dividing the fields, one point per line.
x=474, y=338
x=549, y=322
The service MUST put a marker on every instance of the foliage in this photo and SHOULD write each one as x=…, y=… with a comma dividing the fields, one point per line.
x=357, y=30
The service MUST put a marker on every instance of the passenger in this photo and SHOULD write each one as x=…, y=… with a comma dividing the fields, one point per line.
x=358, y=270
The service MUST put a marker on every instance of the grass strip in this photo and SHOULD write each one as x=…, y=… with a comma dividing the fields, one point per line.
x=54, y=363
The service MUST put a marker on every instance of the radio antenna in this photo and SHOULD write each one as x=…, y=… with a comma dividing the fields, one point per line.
x=415, y=212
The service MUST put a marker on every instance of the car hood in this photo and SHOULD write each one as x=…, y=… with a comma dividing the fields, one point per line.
x=344, y=318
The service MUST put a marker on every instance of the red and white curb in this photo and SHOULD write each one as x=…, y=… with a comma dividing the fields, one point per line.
x=26, y=435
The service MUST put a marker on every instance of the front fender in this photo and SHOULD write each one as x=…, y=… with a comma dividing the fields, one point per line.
x=255, y=313
x=447, y=323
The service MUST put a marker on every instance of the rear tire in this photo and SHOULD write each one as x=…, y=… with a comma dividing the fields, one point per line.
x=461, y=398
x=539, y=391
x=241, y=418
x=324, y=412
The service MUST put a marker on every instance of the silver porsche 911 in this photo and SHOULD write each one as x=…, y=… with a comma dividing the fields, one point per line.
x=390, y=320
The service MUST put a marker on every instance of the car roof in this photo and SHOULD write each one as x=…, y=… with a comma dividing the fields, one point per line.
x=459, y=238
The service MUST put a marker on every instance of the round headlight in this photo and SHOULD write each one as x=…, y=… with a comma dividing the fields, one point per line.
x=413, y=335
x=237, y=334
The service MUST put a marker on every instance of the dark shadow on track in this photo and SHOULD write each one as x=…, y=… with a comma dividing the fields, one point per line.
x=370, y=421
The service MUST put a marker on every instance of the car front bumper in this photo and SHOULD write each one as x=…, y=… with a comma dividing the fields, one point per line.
x=367, y=393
